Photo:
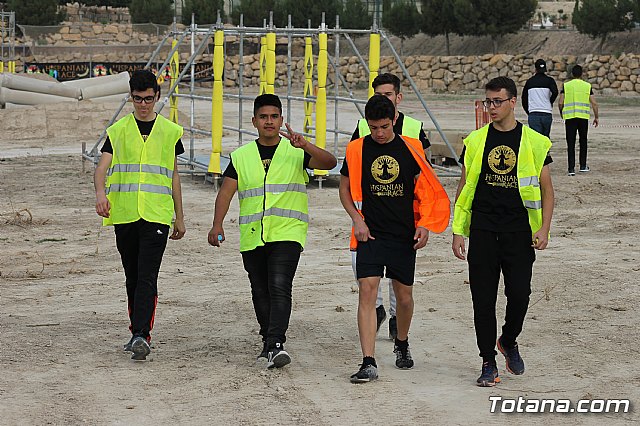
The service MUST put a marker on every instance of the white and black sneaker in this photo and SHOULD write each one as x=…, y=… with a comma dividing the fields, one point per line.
x=264, y=355
x=585, y=169
x=140, y=348
x=278, y=357
x=367, y=373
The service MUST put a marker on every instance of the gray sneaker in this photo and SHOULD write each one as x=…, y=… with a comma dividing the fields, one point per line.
x=140, y=348
x=127, y=347
x=403, y=358
x=365, y=374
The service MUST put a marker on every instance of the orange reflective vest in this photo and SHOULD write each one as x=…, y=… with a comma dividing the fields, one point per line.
x=431, y=206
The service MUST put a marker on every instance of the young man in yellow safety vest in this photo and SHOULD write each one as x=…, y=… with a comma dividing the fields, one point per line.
x=575, y=104
x=141, y=196
x=388, y=85
x=394, y=199
x=270, y=177
x=504, y=204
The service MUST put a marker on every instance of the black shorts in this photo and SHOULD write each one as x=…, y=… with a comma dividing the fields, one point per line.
x=397, y=257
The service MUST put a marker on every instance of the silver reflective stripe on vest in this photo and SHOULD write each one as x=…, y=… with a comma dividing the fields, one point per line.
x=274, y=211
x=274, y=188
x=572, y=104
x=146, y=168
x=133, y=187
x=536, y=205
x=255, y=192
x=358, y=204
x=122, y=187
x=529, y=181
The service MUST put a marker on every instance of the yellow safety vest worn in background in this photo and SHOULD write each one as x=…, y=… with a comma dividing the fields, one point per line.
x=140, y=176
x=576, y=99
x=410, y=127
x=531, y=155
x=273, y=205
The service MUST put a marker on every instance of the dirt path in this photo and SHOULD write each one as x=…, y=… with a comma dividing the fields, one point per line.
x=63, y=312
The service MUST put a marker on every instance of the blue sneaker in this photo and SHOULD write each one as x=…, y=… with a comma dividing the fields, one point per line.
x=515, y=364
x=489, y=376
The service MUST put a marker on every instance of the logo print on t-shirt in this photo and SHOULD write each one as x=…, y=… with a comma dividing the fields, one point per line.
x=266, y=163
x=502, y=159
x=144, y=137
x=385, y=169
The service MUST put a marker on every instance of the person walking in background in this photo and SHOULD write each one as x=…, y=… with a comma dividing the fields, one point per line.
x=388, y=85
x=394, y=198
x=270, y=177
x=538, y=95
x=504, y=204
x=142, y=194
x=575, y=105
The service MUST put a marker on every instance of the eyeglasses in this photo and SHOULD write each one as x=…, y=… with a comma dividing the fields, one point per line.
x=496, y=102
x=147, y=99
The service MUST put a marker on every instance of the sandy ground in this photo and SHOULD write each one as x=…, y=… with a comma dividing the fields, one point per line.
x=63, y=312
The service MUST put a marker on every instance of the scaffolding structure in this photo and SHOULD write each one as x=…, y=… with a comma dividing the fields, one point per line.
x=7, y=42
x=314, y=95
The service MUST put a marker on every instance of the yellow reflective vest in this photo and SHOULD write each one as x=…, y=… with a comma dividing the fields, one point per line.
x=273, y=205
x=576, y=99
x=410, y=127
x=533, y=150
x=140, y=175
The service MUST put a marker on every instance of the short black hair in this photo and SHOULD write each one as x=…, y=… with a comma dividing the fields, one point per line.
x=386, y=78
x=499, y=83
x=379, y=107
x=576, y=71
x=142, y=80
x=266, y=99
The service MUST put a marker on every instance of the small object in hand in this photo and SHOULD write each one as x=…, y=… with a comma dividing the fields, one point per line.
x=220, y=237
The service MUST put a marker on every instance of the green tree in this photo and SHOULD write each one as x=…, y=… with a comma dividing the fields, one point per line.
x=447, y=17
x=254, y=12
x=156, y=11
x=205, y=11
x=36, y=12
x=599, y=18
x=496, y=18
x=303, y=10
x=355, y=16
x=402, y=19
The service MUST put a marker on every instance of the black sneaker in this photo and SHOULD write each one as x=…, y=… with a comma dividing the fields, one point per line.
x=393, y=328
x=403, y=357
x=278, y=357
x=515, y=364
x=571, y=173
x=140, y=348
x=381, y=315
x=365, y=374
x=585, y=169
x=127, y=347
x=489, y=376
x=264, y=355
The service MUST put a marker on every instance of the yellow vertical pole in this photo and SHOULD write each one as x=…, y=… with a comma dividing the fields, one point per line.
x=216, y=103
x=308, y=84
x=270, y=69
x=1, y=66
x=374, y=59
x=175, y=72
x=321, y=97
x=12, y=67
x=263, y=58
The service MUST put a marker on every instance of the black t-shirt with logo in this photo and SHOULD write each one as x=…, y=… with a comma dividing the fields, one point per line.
x=266, y=155
x=145, y=129
x=388, y=173
x=497, y=205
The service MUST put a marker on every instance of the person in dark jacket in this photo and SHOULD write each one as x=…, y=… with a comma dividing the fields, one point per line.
x=539, y=93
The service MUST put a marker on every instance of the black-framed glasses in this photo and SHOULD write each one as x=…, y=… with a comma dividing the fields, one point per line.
x=147, y=99
x=496, y=102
